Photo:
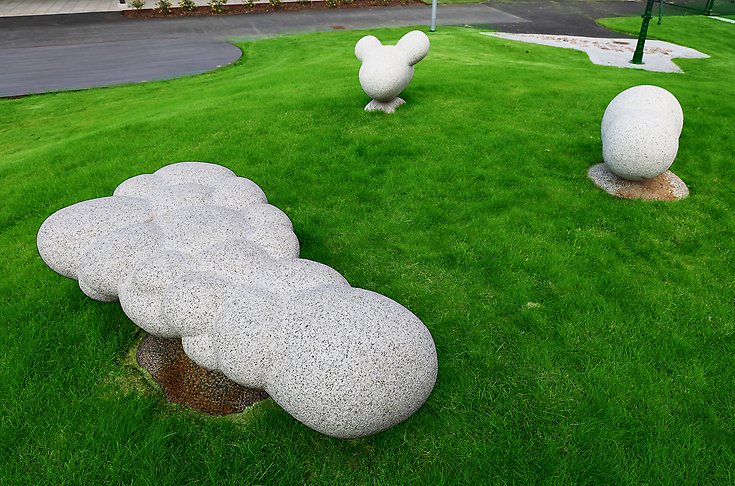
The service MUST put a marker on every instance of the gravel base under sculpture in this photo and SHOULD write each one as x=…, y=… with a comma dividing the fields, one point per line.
x=186, y=383
x=385, y=106
x=665, y=187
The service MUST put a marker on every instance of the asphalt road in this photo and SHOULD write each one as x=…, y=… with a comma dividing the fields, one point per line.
x=60, y=52
x=28, y=70
x=52, y=53
x=570, y=17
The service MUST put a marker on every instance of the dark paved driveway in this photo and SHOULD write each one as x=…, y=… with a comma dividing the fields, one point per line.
x=575, y=17
x=28, y=70
x=105, y=27
x=50, y=53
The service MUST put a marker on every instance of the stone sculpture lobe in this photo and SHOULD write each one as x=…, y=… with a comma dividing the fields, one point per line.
x=380, y=369
x=386, y=70
x=195, y=252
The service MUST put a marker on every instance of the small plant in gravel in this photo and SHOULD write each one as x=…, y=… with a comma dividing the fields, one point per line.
x=249, y=3
x=137, y=4
x=276, y=4
x=188, y=5
x=332, y=3
x=217, y=6
x=304, y=2
x=163, y=6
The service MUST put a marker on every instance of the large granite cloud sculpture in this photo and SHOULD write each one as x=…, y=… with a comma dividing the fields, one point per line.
x=193, y=251
x=640, y=139
x=387, y=70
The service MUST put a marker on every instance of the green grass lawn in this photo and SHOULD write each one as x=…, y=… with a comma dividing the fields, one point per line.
x=581, y=338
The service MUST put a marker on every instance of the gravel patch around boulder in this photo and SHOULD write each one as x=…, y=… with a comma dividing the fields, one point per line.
x=665, y=187
x=658, y=55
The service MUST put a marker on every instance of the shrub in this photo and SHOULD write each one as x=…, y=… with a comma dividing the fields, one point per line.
x=276, y=4
x=217, y=6
x=249, y=3
x=137, y=4
x=332, y=3
x=187, y=5
x=163, y=6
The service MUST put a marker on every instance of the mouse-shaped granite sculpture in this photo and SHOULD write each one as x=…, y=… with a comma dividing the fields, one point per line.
x=387, y=70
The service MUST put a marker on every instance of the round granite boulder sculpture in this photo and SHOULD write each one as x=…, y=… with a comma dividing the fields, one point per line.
x=387, y=70
x=193, y=252
x=640, y=132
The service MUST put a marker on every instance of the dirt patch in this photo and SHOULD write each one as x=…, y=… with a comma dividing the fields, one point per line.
x=150, y=13
x=665, y=187
x=656, y=188
x=186, y=383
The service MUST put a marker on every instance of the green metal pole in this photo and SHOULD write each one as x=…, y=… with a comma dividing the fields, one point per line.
x=647, y=16
x=709, y=7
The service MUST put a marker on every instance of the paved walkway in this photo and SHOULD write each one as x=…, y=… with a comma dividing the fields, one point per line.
x=108, y=27
x=569, y=17
x=50, y=53
x=23, y=8
x=57, y=52
x=54, y=68
x=14, y=8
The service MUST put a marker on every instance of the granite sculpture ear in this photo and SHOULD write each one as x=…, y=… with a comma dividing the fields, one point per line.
x=415, y=45
x=386, y=70
x=195, y=252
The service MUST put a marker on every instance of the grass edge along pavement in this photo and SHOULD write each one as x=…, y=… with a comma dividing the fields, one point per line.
x=581, y=338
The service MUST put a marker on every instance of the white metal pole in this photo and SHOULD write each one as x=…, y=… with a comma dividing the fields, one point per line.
x=433, y=16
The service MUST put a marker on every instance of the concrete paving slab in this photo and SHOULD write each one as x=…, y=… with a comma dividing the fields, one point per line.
x=657, y=55
x=723, y=19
